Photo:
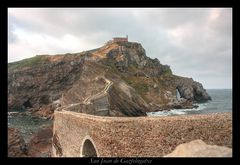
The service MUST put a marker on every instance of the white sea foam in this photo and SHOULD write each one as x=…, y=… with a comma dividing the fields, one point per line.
x=177, y=111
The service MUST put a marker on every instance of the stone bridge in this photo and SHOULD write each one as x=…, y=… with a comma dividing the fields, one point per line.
x=79, y=135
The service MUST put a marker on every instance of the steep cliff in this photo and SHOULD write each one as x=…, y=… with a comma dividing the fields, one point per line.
x=117, y=79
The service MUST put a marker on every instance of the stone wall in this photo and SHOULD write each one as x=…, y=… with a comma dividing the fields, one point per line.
x=78, y=134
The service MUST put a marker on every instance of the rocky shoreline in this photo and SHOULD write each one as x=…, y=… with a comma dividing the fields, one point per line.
x=35, y=141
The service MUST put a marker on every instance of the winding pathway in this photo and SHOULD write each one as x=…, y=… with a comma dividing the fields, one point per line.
x=100, y=94
x=93, y=97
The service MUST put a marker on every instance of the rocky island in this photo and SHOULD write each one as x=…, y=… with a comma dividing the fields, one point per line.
x=139, y=84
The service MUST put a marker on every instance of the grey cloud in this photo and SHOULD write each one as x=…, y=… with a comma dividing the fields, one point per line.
x=12, y=38
x=203, y=51
x=223, y=25
x=173, y=17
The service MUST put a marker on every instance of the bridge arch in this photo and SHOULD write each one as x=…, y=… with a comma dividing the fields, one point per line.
x=88, y=148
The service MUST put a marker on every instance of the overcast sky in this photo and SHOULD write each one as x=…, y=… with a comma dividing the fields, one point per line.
x=195, y=42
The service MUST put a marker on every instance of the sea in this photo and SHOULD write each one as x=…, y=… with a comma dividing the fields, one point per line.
x=221, y=102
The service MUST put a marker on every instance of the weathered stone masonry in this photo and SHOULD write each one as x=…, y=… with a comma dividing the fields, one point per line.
x=81, y=134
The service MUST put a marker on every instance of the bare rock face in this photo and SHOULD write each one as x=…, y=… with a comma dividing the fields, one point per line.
x=124, y=104
x=40, y=80
x=197, y=148
x=45, y=111
x=40, y=144
x=16, y=144
x=126, y=54
x=192, y=90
